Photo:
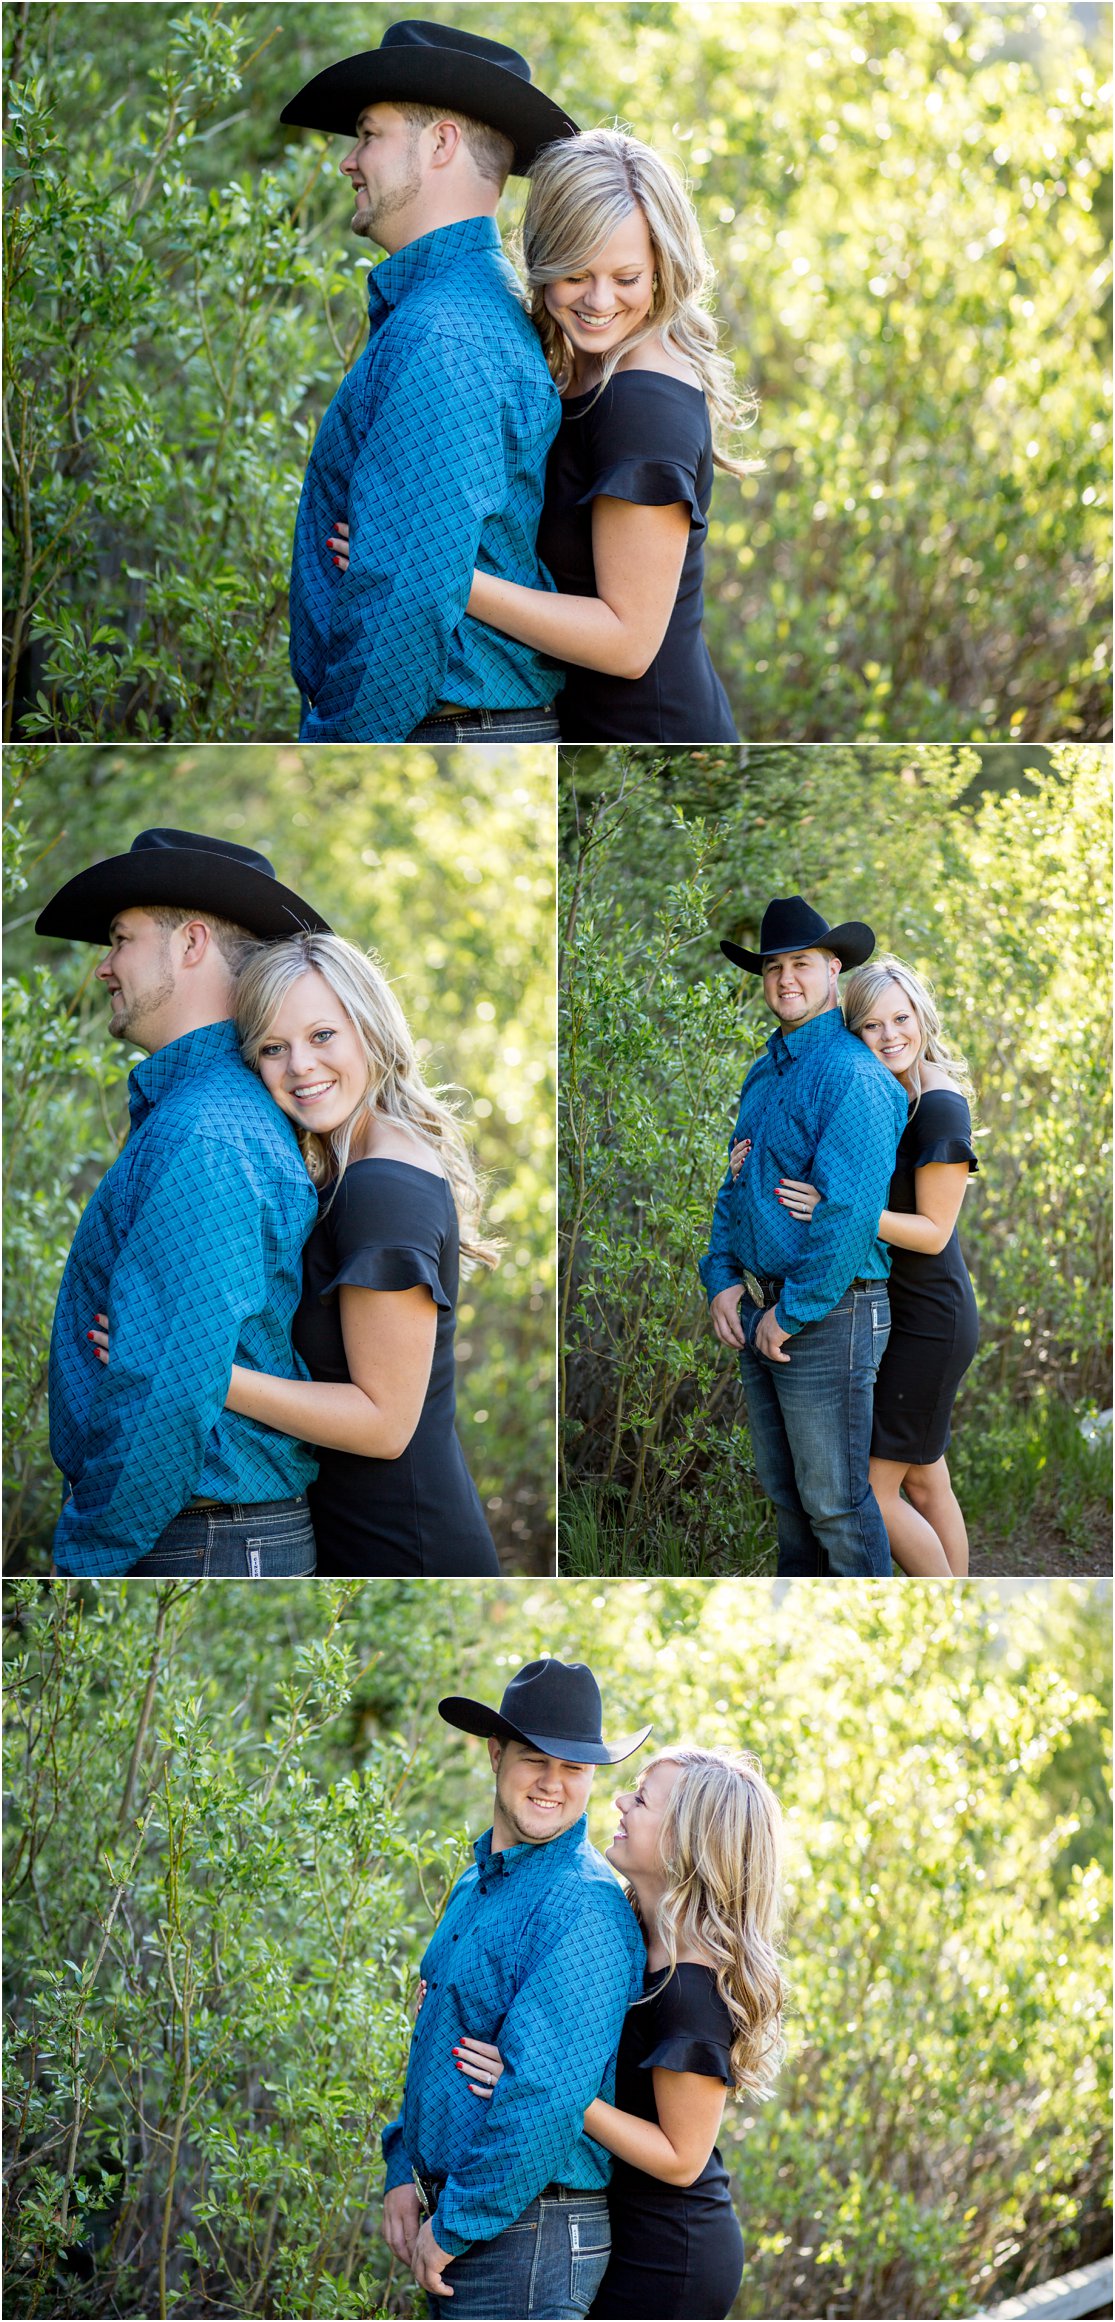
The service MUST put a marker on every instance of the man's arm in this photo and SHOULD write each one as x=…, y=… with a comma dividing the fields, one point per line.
x=851, y=1169
x=189, y=1274
x=719, y=1269
x=556, y=2041
x=429, y=475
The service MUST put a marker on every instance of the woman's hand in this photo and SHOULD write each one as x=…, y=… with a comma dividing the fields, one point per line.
x=99, y=1338
x=337, y=542
x=738, y=1155
x=796, y=1196
x=422, y=1990
x=479, y=2058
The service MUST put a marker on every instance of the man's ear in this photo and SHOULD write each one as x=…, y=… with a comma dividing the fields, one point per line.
x=196, y=940
x=448, y=136
x=495, y=1752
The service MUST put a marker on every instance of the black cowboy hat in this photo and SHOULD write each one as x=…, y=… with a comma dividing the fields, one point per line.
x=435, y=64
x=185, y=868
x=553, y=1705
x=789, y=924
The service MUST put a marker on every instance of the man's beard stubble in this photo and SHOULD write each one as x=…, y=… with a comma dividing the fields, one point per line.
x=128, y=1019
x=387, y=203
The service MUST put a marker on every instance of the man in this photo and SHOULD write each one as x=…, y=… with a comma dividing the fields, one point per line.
x=433, y=450
x=805, y=1304
x=538, y=1947
x=189, y=1253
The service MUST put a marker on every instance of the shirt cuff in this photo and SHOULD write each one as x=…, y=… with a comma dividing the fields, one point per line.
x=453, y=2242
x=717, y=1273
x=395, y=2156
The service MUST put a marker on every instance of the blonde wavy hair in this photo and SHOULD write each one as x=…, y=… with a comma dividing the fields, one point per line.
x=861, y=994
x=395, y=1087
x=581, y=190
x=720, y=1844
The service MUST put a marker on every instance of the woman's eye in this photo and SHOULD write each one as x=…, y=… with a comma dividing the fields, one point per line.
x=323, y=1035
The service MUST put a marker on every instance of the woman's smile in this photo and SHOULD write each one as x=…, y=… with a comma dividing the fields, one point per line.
x=312, y=1060
x=611, y=296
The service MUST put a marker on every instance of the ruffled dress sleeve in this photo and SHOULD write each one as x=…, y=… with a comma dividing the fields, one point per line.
x=692, y=2029
x=647, y=440
x=942, y=1129
x=388, y=1230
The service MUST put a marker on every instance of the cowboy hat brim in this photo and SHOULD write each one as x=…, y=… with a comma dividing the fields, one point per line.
x=478, y=1717
x=853, y=942
x=334, y=100
x=192, y=879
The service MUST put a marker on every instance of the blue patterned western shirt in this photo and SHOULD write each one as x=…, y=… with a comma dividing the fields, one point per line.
x=816, y=1105
x=539, y=1951
x=192, y=1246
x=434, y=451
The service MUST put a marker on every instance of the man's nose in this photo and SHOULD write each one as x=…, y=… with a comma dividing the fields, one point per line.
x=104, y=966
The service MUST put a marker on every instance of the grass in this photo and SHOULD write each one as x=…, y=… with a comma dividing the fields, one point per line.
x=1035, y=1492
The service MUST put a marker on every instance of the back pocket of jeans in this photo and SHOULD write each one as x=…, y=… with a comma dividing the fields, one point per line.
x=590, y=2246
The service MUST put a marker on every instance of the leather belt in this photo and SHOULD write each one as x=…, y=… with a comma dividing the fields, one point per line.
x=446, y=710
x=430, y=2190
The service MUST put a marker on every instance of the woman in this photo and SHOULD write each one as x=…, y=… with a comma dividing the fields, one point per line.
x=698, y=1843
x=934, y=1324
x=618, y=276
x=399, y=1204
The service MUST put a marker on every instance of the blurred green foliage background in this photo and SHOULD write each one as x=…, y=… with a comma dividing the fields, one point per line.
x=991, y=880
x=232, y=1819
x=441, y=861
x=908, y=209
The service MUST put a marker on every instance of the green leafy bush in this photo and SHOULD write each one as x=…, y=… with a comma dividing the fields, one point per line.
x=1000, y=899
x=907, y=211
x=232, y=1818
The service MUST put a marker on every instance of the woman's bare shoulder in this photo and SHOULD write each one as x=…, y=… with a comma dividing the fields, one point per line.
x=935, y=1076
x=388, y=1140
x=653, y=355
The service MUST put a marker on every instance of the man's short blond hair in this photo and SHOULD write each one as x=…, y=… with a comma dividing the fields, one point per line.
x=235, y=944
x=492, y=153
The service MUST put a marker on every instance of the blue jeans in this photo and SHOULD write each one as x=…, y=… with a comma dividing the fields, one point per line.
x=271, y=1541
x=547, y=2267
x=517, y=725
x=810, y=1424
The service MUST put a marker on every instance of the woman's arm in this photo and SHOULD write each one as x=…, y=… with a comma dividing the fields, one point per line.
x=389, y=1347
x=939, y=1189
x=690, y=2107
x=637, y=554
x=674, y=2148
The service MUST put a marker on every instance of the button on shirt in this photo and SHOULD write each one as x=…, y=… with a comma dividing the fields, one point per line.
x=817, y=1105
x=540, y=1952
x=192, y=1246
x=434, y=452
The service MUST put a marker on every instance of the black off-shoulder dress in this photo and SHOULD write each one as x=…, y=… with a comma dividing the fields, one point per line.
x=934, y=1326
x=676, y=2249
x=391, y=1227
x=645, y=438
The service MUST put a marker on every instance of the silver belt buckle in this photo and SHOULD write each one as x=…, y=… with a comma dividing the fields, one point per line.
x=423, y=2196
x=754, y=1288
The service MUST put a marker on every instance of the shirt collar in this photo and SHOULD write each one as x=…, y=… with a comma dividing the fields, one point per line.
x=180, y=1060
x=491, y=1867
x=432, y=254
x=784, y=1046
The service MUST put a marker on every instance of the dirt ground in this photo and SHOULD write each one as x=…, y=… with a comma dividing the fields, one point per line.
x=1044, y=1552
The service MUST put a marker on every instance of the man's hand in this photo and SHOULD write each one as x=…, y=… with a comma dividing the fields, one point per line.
x=402, y=2216
x=429, y=2262
x=769, y=1340
x=724, y=1315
